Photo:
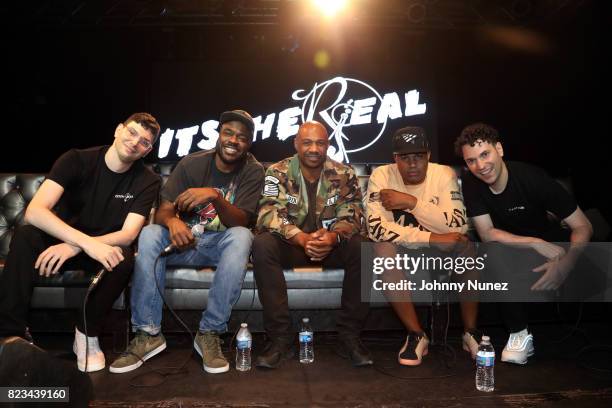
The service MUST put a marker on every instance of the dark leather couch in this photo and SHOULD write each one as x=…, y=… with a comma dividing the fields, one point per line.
x=186, y=288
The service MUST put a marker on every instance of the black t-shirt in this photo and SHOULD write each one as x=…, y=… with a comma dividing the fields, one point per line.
x=242, y=187
x=521, y=208
x=310, y=222
x=96, y=199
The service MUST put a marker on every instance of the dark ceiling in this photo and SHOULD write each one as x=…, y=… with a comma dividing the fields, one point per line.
x=401, y=14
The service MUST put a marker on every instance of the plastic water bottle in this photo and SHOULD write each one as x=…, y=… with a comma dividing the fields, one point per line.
x=485, y=362
x=244, y=342
x=306, y=342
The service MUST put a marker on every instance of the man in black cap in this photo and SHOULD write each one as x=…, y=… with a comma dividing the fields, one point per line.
x=207, y=207
x=417, y=204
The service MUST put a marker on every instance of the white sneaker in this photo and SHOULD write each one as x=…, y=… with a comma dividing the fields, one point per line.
x=518, y=348
x=95, y=356
x=470, y=342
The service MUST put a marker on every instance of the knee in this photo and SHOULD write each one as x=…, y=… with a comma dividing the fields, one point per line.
x=128, y=259
x=354, y=244
x=152, y=235
x=240, y=236
x=263, y=244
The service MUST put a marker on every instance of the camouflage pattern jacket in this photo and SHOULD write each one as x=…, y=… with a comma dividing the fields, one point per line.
x=284, y=203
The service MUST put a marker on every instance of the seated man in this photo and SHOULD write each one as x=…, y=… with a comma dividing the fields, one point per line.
x=417, y=204
x=207, y=205
x=108, y=193
x=310, y=212
x=508, y=203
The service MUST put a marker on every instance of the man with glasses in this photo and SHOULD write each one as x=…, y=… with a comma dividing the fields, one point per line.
x=417, y=204
x=206, y=207
x=108, y=194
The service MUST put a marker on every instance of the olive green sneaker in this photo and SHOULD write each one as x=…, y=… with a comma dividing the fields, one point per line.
x=141, y=348
x=208, y=346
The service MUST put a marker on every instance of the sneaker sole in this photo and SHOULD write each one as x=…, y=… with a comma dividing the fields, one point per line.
x=413, y=363
x=152, y=353
x=90, y=367
x=530, y=353
x=211, y=370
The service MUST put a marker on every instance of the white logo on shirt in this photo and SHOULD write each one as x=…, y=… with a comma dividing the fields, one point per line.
x=125, y=197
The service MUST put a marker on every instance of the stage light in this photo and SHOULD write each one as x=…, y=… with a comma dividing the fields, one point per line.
x=330, y=7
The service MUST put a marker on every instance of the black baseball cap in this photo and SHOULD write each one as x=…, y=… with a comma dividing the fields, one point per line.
x=241, y=116
x=411, y=139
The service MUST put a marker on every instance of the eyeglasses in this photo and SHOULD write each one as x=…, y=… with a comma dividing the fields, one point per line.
x=133, y=134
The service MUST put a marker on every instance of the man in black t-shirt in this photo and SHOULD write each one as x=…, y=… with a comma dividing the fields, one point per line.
x=207, y=205
x=108, y=194
x=509, y=202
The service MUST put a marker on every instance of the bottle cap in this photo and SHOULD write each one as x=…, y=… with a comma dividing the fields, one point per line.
x=243, y=325
x=486, y=338
x=305, y=319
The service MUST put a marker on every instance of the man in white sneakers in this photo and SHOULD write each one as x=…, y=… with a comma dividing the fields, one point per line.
x=509, y=203
x=108, y=193
x=418, y=205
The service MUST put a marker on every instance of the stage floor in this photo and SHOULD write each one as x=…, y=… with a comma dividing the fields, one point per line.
x=556, y=376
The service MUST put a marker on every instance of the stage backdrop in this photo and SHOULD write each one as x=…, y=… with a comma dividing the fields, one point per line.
x=360, y=107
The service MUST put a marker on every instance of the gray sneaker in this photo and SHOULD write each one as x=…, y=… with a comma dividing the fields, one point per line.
x=141, y=348
x=208, y=346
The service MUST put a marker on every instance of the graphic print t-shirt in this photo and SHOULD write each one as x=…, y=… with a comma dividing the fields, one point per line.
x=204, y=217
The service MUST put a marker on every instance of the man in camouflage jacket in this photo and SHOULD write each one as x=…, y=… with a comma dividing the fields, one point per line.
x=311, y=212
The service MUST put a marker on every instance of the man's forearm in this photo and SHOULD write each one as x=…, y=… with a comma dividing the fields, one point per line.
x=117, y=238
x=45, y=220
x=497, y=235
x=229, y=214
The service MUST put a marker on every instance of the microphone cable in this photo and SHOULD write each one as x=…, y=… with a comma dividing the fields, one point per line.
x=94, y=282
x=172, y=370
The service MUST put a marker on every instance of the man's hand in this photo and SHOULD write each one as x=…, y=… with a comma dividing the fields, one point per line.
x=548, y=250
x=180, y=234
x=108, y=256
x=51, y=259
x=192, y=197
x=394, y=200
x=555, y=273
x=452, y=241
x=322, y=242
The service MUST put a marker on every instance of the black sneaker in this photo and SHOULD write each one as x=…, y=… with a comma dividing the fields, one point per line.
x=413, y=350
x=351, y=347
x=276, y=351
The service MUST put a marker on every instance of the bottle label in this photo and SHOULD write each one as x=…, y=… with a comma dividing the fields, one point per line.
x=305, y=337
x=243, y=344
x=485, y=358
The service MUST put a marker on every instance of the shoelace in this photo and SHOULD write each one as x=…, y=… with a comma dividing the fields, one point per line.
x=213, y=343
x=139, y=339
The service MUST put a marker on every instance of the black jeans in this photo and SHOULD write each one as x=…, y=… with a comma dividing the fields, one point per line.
x=19, y=278
x=271, y=254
